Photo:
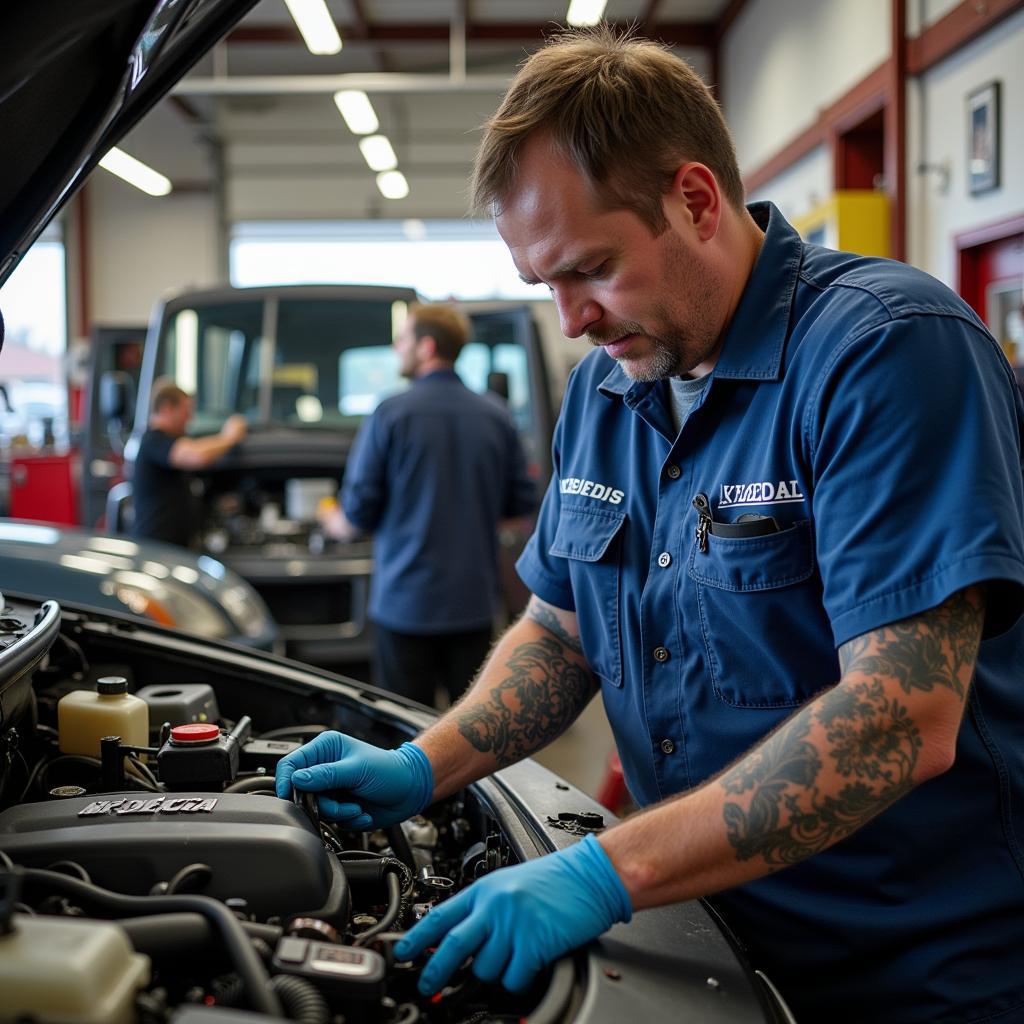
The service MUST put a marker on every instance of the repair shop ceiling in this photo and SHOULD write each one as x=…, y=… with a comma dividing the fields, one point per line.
x=258, y=114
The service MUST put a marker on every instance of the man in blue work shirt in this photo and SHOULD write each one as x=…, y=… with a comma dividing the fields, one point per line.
x=784, y=539
x=433, y=471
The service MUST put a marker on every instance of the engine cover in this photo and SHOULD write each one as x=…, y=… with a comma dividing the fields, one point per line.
x=258, y=847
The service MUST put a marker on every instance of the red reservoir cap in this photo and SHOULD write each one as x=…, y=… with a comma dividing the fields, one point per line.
x=196, y=732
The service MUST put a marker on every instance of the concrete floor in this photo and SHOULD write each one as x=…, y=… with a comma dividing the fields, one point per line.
x=580, y=755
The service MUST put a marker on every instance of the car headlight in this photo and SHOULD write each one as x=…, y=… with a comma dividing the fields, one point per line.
x=169, y=603
x=246, y=609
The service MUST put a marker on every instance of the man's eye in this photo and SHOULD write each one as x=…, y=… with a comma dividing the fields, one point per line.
x=597, y=271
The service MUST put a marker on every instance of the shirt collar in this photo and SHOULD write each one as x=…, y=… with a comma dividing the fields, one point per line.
x=760, y=325
x=436, y=375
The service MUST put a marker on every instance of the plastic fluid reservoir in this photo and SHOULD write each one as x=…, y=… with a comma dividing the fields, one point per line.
x=84, y=717
x=62, y=969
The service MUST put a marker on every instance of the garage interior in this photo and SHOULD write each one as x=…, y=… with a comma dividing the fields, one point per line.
x=850, y=118
x=257, y=238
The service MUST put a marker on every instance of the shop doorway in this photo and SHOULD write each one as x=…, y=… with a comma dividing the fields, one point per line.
x=991, y=279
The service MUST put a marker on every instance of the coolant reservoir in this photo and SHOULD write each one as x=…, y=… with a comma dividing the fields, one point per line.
x=67, y=970
x=84, y=717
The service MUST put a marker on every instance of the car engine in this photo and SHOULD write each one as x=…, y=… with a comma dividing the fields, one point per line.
x=150, y=875
x=164, y=881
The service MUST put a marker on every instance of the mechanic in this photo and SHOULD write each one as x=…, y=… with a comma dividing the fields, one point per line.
x=161, y=496
x=432, y=472
x=784, y=538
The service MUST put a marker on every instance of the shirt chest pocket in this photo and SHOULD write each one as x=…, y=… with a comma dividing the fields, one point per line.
x=764, y=628
x=590, y=540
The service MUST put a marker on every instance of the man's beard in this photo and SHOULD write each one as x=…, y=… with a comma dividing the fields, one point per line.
x=673, y=351
x=677, y=344
x=662, y=361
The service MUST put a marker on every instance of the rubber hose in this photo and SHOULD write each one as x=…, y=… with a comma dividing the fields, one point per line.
x=253, y=784
x=390, y=915
x=246, y=962
x=302, y=1001
x=400, y=844
x=179, y=934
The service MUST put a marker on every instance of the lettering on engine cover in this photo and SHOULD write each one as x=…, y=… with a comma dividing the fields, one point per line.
x=176, y=805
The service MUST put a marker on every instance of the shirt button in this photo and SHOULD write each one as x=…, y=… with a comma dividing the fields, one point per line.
x=667, y=747
x=661, y=654
x=664, y=559
x=674, y=472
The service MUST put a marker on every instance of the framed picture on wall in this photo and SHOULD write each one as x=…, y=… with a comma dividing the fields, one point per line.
x=983, y=139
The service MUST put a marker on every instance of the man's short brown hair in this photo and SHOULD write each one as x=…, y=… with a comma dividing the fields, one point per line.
x=625, y=111
x=448, y=328
x=165, y=393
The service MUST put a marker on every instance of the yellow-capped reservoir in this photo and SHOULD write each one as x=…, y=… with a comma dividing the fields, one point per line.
x=84, y=717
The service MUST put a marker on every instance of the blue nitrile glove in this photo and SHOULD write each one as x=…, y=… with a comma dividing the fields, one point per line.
x=377, y=787
x=516, y=920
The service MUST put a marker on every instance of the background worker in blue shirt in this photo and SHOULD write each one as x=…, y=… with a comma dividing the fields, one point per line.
x=784, y=539
x=433, y=471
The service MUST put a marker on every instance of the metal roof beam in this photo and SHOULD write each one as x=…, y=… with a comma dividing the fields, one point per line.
x=700, y=34
x=299, y=85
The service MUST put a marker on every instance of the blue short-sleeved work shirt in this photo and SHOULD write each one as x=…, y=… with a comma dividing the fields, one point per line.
x=432, y=471
x=862, y=405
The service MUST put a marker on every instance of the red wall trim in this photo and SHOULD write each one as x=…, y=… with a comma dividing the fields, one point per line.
x=895, y=131
x=951, y=32
x=81, y=209
x=867, y=96
x=989, y=232
x=969, y=246
x=727, y=17
x=954, y=30
x=796, y=149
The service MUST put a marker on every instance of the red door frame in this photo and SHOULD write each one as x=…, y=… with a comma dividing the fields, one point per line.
x=969, y=246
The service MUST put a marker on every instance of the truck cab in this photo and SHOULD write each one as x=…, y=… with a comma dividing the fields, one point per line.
x=305, y=365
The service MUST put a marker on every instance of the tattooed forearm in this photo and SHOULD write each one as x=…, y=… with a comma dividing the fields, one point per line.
x=542, y=695
x=856, y=749
x=871, y=744
x=934, y=649
x=545, y=617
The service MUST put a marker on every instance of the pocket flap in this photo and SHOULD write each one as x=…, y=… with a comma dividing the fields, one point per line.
x=585, y=533
x=755, y=563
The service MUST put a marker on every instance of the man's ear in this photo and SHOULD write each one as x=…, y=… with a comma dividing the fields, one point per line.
x=695, y=196
x=427, y=346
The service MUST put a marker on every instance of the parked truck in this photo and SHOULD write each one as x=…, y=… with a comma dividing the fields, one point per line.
x=305, y=365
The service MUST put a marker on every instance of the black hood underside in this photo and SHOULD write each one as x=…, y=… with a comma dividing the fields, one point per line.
x=75, y=76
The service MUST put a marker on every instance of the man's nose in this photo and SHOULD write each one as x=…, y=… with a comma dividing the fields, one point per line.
x=577, y=313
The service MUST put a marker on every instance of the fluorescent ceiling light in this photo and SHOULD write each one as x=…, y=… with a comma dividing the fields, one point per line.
x=585, y=12
x=315, y=24
x=135, y=172
x=392, y=185
x=357, y=110
x=377, y=152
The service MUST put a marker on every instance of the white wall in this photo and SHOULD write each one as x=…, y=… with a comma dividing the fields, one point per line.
x=801, y=187
x=922, y=13
x=937, y=116
x=784, y=60
x=141, y=247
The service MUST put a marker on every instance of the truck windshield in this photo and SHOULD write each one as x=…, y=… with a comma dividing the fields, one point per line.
x=316, y=362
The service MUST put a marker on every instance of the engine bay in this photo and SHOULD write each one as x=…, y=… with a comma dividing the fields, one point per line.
x=272, y=512
x=148, y=873
x=232, y=897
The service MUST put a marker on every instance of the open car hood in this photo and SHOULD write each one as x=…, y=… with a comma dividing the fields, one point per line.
x=74, y=78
